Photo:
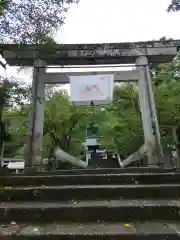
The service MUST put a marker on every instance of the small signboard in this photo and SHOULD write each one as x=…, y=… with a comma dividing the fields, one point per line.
x=91, y=90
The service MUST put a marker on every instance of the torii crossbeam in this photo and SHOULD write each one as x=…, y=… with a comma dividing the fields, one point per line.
x=88, y=54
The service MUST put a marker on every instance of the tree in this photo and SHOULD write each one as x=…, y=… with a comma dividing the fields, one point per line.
x=174, y=6
x=120, y=128
x=167, y=97
x=3, y=5
x=11, y=94
x=17, y=119
x=64, y=125
x=32, y=21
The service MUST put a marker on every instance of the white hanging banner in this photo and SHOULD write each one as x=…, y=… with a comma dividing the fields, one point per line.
x=91, y=89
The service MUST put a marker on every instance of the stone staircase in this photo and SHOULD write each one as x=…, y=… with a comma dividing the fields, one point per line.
x=133, y=203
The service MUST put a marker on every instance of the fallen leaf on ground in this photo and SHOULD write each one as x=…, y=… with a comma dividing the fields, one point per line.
x=126, y=225
x=13, y=223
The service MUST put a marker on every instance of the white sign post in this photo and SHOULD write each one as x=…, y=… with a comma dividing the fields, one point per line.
x=91, y=90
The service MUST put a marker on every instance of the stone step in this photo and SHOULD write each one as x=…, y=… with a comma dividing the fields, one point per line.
x=103, y=171
x=90, y=192
x=91, y=211
x=91, y=179
x=81, y=231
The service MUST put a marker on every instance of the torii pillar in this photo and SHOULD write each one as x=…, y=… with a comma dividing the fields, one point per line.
x=36, y=118
x=148, y=113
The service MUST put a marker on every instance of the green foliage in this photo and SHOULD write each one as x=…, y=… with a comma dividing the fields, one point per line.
x=32, y=21
x=17, y=119
x=3, y=5
x=64, y=125
x=120, y=129
x=11, y=94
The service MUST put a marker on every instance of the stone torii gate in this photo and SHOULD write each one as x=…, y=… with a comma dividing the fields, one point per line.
x=140, y=53
x=152, y=146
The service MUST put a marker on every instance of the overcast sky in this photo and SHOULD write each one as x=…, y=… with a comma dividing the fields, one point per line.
x=94, y=21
